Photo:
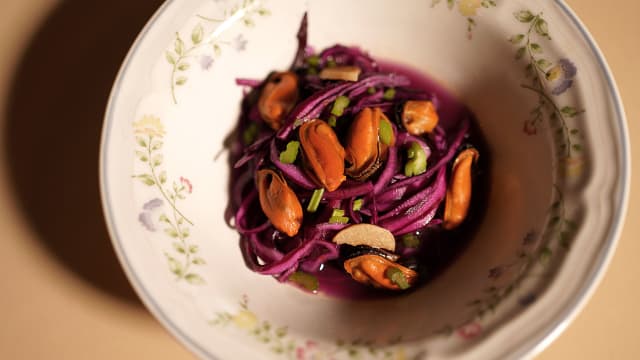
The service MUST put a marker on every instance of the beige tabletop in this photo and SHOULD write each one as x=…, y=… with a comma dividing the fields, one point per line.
x=62, y=292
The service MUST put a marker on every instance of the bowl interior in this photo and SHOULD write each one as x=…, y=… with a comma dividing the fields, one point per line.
x=177, y=102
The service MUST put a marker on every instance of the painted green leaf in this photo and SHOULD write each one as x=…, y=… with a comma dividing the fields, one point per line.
x=197, y=34
x=157, y=160
x=198, y=261
x=181, y=80
x=536, y=48
x=545, y=256
x=248, y=22
x=185, y=232
x=194, y=279
x=184, y=67
x=529, y=72
x=142, y=156
x=451, y=3
x=542, y=28
x=543, y=63
x=174, y=266
x=171, y=232
x=520, y=53
x=193, y=249
x=576, y=147
x=217, y=50
x=517, y=39
x=570, y=111
x=575, y=131
x=156, y=145
x=179, y=247
x=141, y=141
x=281, y=332
x=435, y=2
x=147, y=179
x=178, y=45
x=170, y=57
x=264, y=12
x=524, y=16
x=164, y=218
x=163, y=177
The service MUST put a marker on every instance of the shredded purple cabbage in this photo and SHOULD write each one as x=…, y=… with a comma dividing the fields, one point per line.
x=401, y=204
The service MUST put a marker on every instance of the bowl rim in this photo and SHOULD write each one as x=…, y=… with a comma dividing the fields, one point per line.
x=534, y=345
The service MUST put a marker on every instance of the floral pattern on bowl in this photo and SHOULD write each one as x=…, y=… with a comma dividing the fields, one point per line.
x=184, y=261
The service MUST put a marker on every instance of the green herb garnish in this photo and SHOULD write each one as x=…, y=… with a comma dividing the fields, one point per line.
x=250, y=133
x=411, y=240
x=313, y=60
x=389, y=94
x=339, y=105
x=315, y=200
x=305, y=280
x=357, y=204
x=291, y=153
x=417, y=163
x=385, y=132
x=397, y=277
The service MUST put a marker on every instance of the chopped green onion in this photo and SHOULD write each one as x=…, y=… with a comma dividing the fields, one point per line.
x=371, y=90
x=250, y=133
x=411, y=240
x=337, y=212
x=313, y=60
x=331, y=63
x=291, y=153
x=338, y=220
x=357, y=204
x=417, y=163
x=389, y=94
x=315, y=200
x=305, y=280
x=312, y=71
x=333, y=121
x=397, y=277
x=339, y=105
x=385, y=132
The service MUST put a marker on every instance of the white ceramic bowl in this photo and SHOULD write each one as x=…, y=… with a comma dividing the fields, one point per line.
x=559, y=182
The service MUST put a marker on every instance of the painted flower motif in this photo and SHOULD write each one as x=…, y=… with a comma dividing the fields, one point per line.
x=149, y=125
x=529, y=238
x=470, y=331
x=187, y=184
x=527, y=299
x=206, y=61
x=575, y=166
x=245, y=319
x=239, y=43
x=561, y=76
x=146, y=217
x=469, y=7
x=530, y=127
x=496, y=272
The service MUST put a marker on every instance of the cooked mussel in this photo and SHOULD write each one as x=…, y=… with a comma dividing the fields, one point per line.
x=367, y=143
x=458, y=196
x=278, y=201
x=278, y=97
x=323, y=154
x=376, y=267
x=419, y=117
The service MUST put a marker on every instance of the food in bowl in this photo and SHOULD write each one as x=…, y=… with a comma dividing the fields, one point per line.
x=351, y=176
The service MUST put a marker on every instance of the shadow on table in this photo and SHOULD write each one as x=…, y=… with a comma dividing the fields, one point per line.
x=55, y=110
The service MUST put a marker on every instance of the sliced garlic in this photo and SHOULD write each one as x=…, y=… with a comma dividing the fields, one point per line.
x=366, y=234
